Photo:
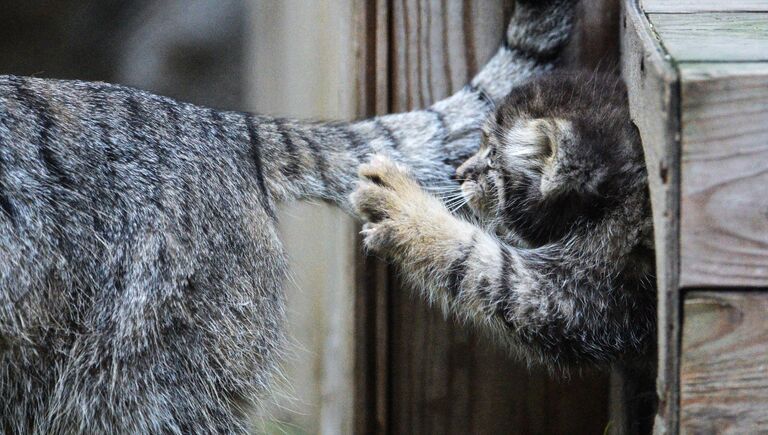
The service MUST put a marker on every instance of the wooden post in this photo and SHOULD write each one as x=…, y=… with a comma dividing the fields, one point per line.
x=697, y=73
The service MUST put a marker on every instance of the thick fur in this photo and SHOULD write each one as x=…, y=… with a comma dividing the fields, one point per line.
x=559, y=263
x=140, y=268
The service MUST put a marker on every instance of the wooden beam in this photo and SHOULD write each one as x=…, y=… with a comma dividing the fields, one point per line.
x=724, y=363
x=693, y=6
x=653, y=89
x=718, y=37
x=724, y=206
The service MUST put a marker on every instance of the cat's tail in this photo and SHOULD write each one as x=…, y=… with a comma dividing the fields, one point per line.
x=320, y=160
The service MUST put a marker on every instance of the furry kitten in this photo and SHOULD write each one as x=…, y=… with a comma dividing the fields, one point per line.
x=560, y=264
x=140, y=268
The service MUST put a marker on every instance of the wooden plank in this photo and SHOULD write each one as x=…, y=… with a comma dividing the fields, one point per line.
x=595, y=40
x=724, y=206
x=632, y=401
x=653, y=90
x=444, y=378
x=692, y=6
x=724, y=363
x=717, y=37
x=372, y=301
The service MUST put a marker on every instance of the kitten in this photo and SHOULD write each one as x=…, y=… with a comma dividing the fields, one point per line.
x=560, y=265
x=140, y=268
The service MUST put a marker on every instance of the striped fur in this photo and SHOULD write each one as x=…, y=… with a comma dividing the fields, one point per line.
x=140, y=268
x=559, y=263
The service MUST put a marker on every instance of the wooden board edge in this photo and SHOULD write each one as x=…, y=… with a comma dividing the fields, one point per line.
x=695, y=7
x=654, y=89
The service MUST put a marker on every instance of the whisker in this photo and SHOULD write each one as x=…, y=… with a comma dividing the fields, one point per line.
x=458, y=206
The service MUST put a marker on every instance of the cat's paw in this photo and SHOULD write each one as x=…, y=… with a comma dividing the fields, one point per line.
x=378, y=237
x=383, y=171
x=385, y=199
x=377, y=206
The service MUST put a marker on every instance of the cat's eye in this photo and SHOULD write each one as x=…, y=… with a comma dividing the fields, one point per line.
x=491, y=158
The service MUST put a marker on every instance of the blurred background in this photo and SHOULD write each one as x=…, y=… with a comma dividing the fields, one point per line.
x=365, y=356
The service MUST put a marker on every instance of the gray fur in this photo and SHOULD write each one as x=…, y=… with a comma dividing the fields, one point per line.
x=140, y=268
x=558, y=263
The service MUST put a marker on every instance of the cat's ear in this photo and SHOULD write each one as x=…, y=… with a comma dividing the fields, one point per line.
x=530, y=140
x=541, y=146
x=553, y=134
x=567, y=166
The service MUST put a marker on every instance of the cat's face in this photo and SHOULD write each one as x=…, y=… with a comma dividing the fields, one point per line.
x=512, y=160
x=537, y=176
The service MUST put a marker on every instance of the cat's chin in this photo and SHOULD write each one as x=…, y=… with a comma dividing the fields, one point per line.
x=471, y=191
x=474, y=195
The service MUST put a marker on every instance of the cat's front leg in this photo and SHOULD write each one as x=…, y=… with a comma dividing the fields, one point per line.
x=402, y=220
x=452, y=262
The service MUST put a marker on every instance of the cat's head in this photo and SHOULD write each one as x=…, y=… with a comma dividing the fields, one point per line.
x=558, y=151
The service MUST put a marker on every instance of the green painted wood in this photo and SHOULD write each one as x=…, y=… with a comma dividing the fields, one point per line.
x=713, y=37
x=692, y=6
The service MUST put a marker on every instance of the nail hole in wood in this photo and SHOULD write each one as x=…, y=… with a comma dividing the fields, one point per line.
x=663, y=172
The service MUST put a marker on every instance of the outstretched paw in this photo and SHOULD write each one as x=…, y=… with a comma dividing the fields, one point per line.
x=384, y=172
x=383, y=199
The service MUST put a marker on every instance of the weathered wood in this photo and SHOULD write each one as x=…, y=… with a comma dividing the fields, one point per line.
x=691, y=6
x=595, y=41
x=724, y=206
x=372, y=312
x=632, y=401
x=724, y=363
x=718, y=37
x=702, y=111
x=653, y=89
x=442, y=377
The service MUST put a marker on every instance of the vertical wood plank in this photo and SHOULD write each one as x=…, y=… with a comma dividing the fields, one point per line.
x=724, y=363
x=443, y=377
x=595, y=41
x=372, y=300
x=653, y=89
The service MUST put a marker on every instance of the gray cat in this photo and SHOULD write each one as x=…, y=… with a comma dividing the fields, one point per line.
x=559, y=266
x=140, y=268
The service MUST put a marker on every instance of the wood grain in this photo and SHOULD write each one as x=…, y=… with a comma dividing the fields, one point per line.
x=372, y=313
x=724, y=205
x=595, y=40
x=653, y=89
x=724, y=363
x=692, y=6
x=441, y=377
x=718, y=37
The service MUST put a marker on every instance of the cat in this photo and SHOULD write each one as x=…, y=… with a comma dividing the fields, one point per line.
x=140, y=267
x=558, y=261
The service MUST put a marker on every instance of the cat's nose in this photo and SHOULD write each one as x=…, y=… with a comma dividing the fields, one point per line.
x=461, y=173
x=466, y=171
